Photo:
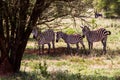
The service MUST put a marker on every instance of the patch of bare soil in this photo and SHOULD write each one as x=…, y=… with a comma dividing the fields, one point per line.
x=58, y=51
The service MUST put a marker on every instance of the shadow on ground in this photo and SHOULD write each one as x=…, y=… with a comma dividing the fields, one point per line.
x=63, y=51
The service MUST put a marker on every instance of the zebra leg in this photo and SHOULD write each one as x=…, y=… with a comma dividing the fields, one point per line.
x=42, y=48
x=90, y=46
x=77, y=45
x=83, y=46
x=104, y=45
x=68, y=48
x=53, y=46
x=39, y=49
x=49, y=48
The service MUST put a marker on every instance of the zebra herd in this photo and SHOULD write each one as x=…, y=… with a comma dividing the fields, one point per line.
x=48, y=36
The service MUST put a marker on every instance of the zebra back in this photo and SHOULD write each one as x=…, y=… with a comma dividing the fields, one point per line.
x=73, y=39
x=43, y=37
x=46, y=36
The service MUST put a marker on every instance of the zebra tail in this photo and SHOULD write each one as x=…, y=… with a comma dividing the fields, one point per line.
x=108, y=33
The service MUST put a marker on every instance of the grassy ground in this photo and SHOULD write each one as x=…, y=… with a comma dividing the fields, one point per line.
x=62, y=66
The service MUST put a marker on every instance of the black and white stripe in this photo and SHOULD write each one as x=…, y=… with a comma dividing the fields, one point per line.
x=44, y=38
x=98, y=15
x=95, y=36
x=70, y=39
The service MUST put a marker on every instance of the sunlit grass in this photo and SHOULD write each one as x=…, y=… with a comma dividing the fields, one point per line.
x=85, y=66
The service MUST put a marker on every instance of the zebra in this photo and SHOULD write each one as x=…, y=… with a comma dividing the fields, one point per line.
x=70, y=39
x=95, y=36
x=44, y=38
x=97, y=14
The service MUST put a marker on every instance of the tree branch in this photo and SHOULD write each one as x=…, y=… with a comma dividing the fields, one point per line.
x=39, y=23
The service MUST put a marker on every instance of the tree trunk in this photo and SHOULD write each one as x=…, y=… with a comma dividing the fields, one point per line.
x=12, y=46
x=5, y=67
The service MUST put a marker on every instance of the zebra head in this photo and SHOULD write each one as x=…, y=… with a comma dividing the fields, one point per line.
x=59, y=35
x=35, y=32
x=85, y=30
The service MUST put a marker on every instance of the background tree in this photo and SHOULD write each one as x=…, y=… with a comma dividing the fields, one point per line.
x=111, y=8
x=60, y=10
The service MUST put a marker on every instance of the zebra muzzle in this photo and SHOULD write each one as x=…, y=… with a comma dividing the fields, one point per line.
x=56, y=40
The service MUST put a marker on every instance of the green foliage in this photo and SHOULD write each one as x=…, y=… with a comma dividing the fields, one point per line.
x=69, y=31
x=111, y=7
x=66, y=76
x=93, y=23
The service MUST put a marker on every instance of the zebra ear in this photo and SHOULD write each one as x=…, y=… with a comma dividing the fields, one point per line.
x=81, y=26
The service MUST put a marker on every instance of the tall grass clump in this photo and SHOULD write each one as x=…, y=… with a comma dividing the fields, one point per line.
x=41, y=69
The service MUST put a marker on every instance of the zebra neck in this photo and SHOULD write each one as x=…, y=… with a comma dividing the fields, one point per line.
x=88, y=33
x=38, y=36
x=64, y=36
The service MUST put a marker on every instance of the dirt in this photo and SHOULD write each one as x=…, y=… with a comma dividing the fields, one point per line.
x=58, y=51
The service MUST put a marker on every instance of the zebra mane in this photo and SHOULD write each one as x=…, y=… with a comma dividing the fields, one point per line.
x=36, y=33
x=63, y=35
x=87, y=28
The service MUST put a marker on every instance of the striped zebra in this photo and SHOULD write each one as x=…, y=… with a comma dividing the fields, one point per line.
x=70, y=39
x=95, y=36
x=44, y=38
x=98, y=15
